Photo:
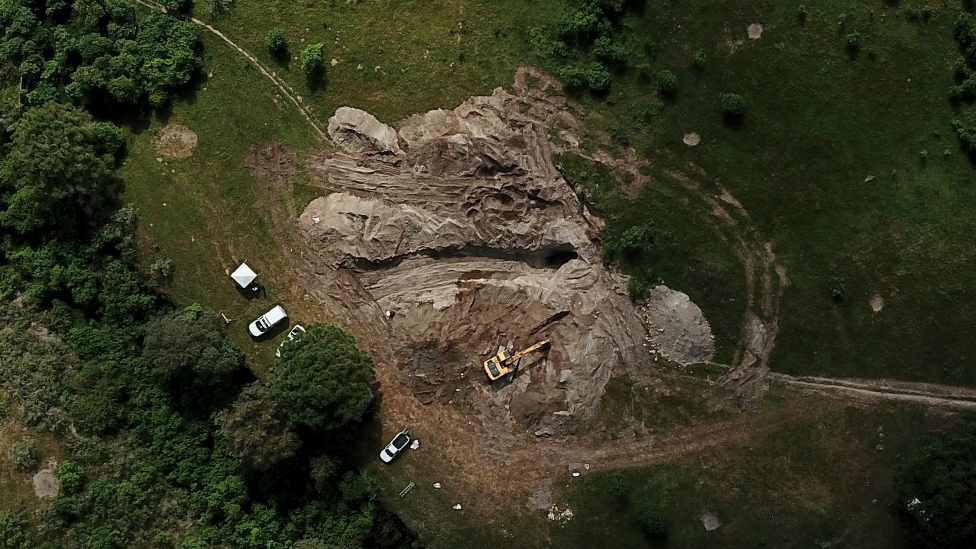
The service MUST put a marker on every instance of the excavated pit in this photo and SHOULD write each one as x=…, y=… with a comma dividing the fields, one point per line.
x=459, y=224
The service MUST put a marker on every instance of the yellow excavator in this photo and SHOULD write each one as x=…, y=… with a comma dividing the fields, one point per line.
x=503, y=363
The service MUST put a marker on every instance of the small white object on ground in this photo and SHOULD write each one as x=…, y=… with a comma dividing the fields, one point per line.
x=755, y=31
x=586, y=466
x=457, y=507
x=575, y=474
x=415, y=444
x=389, y=314
x=316, y=219
x=691, y=139
x=437, y=486
x=869, y=179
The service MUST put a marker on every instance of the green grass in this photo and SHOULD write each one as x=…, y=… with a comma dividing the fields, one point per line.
x=818, y=121
x=823, y=478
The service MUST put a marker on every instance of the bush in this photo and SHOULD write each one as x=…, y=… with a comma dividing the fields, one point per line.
x=636, y=289
x=619, y=486
x=162, y=267
x=69, y=478
x=276, y=41
x=698, y=58
x=606, y=49
x=836, y=286
x=313, y=59
x=597, y=77
x=667, y=82
x=853, y=40
x=733, y=104
x=23, y=454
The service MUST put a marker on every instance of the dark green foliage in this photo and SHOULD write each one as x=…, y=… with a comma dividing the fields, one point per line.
x=654, y=512
x=698, y=58
x=836, y=286
x=57, y=177
x=176, y=5
x=192, y=345
x=100, y=54
x=853, y=40
x=23, y=454
x=275, y=40
x=313, y=59
x=13, y=533
x=733, y=104
x=619, y=486
x=70, y=478
x=322, y=378
x=942, y=478
x=258, y=431
x=608, y=50
x=667, y=82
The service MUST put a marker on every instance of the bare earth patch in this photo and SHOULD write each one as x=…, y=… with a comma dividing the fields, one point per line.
x=45, y=483
x=755, y=31
x=877, y=303
x=176, y=141
x=691, y=139
x=271, y=161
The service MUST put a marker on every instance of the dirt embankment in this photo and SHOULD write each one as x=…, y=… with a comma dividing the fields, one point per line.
x=466, y=239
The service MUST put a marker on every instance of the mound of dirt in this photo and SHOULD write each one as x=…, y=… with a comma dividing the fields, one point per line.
x=359, y=132
x=176, y=141
x=466, y=230
x=677, y=328
x=45, y=483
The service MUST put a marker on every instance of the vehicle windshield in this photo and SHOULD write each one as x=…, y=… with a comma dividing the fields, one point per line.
x=400, y=441
x=262, y=325
x=493, y=367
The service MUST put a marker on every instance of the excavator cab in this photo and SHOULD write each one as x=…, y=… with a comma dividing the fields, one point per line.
x=505, y=363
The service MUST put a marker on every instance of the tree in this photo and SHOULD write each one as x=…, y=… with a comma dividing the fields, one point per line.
x=937, y=492
x=733, y=104
x=667, y=82
x=258, y=431
x=168, y=49
x=276, y=41
x=57, y=177
x=322, y=378
x=837, y=287
x=313, y=59
x=192, y=345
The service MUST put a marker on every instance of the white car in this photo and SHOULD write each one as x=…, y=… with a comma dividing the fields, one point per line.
x=298, y=329
x=266, y=321
x=396, y=446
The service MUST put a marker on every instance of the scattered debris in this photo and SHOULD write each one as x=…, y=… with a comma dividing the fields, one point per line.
x=677, y=329
x=407, y=489
x=563, y=516
x=457, y=507
x=415, y=444
x=437, y=486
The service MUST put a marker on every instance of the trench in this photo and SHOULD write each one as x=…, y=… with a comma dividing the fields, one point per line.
x=549, y=257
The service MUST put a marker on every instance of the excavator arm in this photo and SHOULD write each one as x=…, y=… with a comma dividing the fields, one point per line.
x=529, y=350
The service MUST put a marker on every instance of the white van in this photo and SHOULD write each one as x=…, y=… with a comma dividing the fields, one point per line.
x=267, y=320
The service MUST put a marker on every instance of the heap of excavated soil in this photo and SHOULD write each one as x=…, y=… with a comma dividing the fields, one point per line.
x=465, y=230
x=176, y=141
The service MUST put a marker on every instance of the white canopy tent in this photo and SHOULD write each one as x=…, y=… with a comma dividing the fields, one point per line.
x=244, y=276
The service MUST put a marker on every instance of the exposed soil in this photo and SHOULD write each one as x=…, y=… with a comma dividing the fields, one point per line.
x=459, y=223
x=755, y=31
x=692, y=139
x=877, y=303
x=176, y=141
x=272, y=162
x=45, y=483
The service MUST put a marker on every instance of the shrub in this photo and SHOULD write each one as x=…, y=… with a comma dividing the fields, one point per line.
x=853, y=40
x=606, y=49
x=573, y=77
x=619, y=486
x=69, y=478
x=636, y=289
x=801, y=13
x=653, y=513
x=23, y=454
x=667, y=82
x=597, y=77
x=733, y=104
x=836, y=286
x=313, y=59
x=698, y=58
x=276, y=41
x=162, y=267
x=89, y=450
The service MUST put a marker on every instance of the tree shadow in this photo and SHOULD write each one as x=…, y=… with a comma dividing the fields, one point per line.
x=733, y=121
x=282, y=56
x=317, y=80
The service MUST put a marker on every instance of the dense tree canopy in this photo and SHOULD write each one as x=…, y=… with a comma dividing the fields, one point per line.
x=258, y=431
x=322, y=378
x=191, y=345
x=58, y=174
x=91, y=50
x=937, y=492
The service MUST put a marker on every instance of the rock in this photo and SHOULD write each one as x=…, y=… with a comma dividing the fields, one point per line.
x=415, y=444
x=457, y=507
x=691, y=139
x=755, y=31
x=359, y=132
x=709, y=520
x=565, y=376
x=437, y=486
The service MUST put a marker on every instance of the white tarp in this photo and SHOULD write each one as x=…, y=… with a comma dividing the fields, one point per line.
x=244, y=275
